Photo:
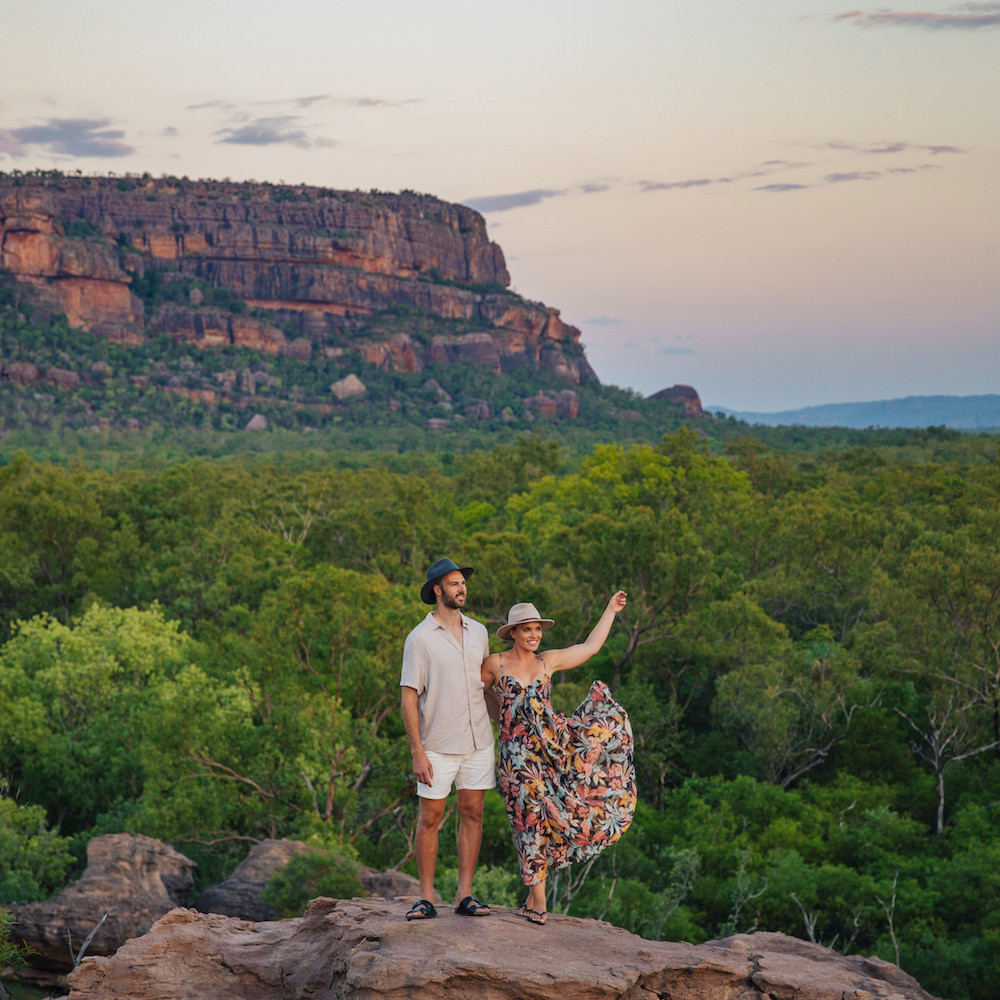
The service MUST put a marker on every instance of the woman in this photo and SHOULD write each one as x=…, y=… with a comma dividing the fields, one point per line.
x=567, y=781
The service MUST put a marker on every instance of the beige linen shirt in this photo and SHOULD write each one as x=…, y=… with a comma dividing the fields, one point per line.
x=446, y=677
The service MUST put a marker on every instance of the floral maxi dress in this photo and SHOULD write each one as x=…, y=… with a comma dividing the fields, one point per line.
x=568, y=781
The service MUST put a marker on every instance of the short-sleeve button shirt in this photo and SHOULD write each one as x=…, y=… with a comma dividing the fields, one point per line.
x=449, y=686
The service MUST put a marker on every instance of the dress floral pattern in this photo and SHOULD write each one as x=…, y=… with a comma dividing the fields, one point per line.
x=567, y=780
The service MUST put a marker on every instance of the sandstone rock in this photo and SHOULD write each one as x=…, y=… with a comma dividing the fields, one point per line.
x=258, y=422
x=365, y=949
x=567, y=404
x=390, y=884
x=300, y=348
x=135, y=880
x=541, y=405
x=101, y=368
x=399, y=353
x=318, y=261
x=682, y=395
x=437, y=424
x=433, y=385
x=21, y=372
x=218, y=328
x=470, y=348
x=239, y=895
x=479, y=410
x=348, y=387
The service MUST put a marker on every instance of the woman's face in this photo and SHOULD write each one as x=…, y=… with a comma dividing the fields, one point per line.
x=527, y=635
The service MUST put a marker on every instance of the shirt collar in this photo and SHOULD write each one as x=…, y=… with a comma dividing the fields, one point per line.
x=436, y=624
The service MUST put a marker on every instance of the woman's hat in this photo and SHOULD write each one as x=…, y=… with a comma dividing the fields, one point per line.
x=523, y=613
x=434, y=573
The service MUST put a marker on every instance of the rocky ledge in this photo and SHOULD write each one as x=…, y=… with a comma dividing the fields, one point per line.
x=311, y=264
x=363, y=948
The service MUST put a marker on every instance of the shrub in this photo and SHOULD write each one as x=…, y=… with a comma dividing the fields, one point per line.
x=310, y=874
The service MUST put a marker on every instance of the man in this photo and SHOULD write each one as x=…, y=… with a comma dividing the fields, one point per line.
x=444, y=712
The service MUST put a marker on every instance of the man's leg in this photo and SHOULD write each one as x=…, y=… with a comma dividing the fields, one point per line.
x=428, y=821
x=470, y=836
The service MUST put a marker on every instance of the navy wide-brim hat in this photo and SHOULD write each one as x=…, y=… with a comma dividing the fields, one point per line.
x=434, y=573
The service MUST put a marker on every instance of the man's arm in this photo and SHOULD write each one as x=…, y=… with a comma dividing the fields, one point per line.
x=422, y=769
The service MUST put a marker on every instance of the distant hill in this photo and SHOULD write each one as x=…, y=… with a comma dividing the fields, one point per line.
x=958, y=412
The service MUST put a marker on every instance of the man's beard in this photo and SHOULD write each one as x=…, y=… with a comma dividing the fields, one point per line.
x=449, y=602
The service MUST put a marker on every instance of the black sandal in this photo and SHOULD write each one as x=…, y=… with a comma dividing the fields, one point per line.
x=537, y=917
x=471, y=907
x=422, y=909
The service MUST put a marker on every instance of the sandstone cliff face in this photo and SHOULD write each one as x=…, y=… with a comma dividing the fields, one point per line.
x=363, y=948
x=318, y=261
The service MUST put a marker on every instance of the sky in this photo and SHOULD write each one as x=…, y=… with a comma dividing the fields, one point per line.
x=781, y=203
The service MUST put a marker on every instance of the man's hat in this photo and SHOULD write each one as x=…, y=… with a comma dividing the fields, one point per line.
x=434, y=573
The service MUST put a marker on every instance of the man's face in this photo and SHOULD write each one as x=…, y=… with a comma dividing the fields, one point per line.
x=451, y=590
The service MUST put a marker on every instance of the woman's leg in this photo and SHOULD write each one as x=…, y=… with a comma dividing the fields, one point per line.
x=536, y=897
x=534, y=906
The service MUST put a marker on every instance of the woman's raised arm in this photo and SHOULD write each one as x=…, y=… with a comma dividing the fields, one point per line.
x=573, y=656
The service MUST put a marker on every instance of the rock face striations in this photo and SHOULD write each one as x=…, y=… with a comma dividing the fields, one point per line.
x=129, y=882
x=303, y=269
x=363, y=948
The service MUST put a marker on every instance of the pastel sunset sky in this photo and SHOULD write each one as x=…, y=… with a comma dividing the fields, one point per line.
x=779, y=202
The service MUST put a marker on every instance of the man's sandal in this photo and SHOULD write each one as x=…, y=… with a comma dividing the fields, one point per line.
x=471, y=907
x=422, y=909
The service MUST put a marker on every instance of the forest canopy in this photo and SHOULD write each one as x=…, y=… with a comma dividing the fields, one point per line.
x=206, y=651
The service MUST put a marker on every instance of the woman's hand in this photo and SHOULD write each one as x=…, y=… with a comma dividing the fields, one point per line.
x=618, y=601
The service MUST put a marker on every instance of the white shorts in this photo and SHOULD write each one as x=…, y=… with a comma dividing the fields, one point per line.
x=474, y=770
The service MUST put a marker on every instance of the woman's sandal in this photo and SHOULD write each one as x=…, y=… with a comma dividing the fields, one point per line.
x=422, y=909
x=534, y=916
x=471, y=907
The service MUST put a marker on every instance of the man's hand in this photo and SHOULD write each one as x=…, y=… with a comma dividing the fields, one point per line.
x=423, y=771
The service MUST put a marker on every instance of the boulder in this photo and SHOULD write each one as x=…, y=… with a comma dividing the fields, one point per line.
x=681, y=395
x=21, y=372
x=134, y=880
x=349, y=387
x=258, y=422
x=239, y=895
x=568, y=404
x=364, y=948
x=541, y=405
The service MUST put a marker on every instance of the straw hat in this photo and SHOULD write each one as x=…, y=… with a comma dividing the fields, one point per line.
x=519, y=614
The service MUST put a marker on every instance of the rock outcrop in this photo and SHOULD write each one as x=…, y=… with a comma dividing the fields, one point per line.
x=314, y=261
x=365, y=949
x=682, y=395
x=239, y=895
x=133, y=880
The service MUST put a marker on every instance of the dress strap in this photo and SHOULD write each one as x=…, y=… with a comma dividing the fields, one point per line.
x=545, y=669
x=500, y=655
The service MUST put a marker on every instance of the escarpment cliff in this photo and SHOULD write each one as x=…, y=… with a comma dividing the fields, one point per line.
x=282, y=269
